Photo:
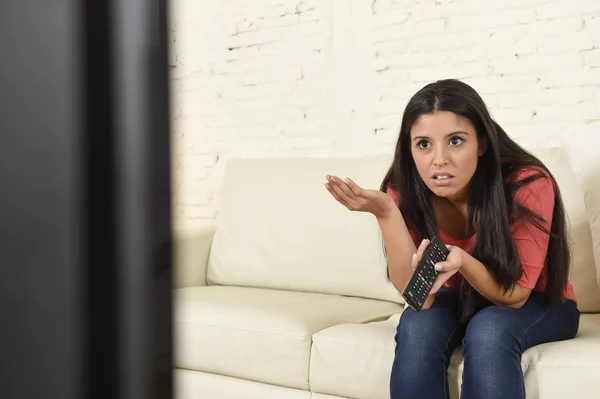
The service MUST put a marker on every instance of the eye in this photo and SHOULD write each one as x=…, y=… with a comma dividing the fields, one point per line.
x=423, y=144
x=456, y=140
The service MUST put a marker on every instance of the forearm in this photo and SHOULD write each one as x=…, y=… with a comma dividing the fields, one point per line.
x=399, y=247
x=482, y=280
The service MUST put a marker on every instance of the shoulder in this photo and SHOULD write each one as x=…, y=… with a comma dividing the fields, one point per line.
x=532, y=177
x=532, y=186
x=527, y=172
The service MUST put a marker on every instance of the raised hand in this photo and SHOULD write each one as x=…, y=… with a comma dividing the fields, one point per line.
x=355, y=198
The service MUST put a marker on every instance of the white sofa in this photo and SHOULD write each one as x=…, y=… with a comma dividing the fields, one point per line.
x=285, y=296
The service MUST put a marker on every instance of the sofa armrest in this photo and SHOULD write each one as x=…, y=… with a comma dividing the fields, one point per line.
x=191, y=248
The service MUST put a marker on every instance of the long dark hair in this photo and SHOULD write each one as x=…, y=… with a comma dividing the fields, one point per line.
x=491, y=207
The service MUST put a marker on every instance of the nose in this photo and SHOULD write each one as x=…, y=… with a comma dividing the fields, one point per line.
x=440, y=157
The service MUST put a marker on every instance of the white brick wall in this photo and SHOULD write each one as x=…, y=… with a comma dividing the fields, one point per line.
x=276, y=78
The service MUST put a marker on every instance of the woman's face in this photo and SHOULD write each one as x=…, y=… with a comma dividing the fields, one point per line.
x=446, y=150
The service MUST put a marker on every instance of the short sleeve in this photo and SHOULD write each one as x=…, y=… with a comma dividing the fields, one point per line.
x=394, y=194
x=530, y=241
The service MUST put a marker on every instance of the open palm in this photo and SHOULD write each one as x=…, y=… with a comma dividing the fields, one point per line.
x=355, y=198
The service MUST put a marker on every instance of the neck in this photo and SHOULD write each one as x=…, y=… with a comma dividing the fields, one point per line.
x=460, y=200
x=459, y=204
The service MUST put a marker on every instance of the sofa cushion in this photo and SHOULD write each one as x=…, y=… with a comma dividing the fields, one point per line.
x=355, y=360
x=586, y=168
x=565, y=369
x=279, y=227
x=583, y=270
x=190, y=384
x=260, y=334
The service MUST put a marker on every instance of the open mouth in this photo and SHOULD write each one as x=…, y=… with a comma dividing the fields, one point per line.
x=442, y=176
x=442, y=179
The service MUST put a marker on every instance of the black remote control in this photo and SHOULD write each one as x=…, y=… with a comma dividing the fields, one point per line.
x=420, y=284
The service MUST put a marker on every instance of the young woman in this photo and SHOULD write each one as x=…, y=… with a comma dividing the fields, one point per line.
x=504, y=286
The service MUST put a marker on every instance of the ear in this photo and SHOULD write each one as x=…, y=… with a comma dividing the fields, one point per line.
x=483, y=143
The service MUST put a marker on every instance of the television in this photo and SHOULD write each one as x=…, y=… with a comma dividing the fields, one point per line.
x=85, y=206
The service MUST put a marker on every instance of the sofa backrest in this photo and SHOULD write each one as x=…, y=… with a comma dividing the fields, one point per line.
x=583, y=269
x=278, y=227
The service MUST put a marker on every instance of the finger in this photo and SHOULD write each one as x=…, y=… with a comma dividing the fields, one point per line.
x=422, y=247
x=414, y=262
x=353, y=186
x=439, y=282
x=341, y=189
x=344, y=187
x=340, y=194
x=335, y=195
x=444, y=266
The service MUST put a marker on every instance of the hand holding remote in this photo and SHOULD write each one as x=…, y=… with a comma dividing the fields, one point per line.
x=416, y=258
x=433, y=264
x=445, y=269
x=449, y=267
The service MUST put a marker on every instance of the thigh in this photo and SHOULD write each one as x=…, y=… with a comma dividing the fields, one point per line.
x=438, y=327
x=424, y=343
x=533, y=324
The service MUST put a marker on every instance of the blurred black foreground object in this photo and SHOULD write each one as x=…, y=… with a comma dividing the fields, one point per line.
x=85, y=224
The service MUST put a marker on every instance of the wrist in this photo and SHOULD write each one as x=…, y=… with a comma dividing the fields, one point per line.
x=388, y=211
x=462, y=261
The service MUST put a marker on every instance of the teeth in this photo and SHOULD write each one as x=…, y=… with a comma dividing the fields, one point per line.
x=442, y=177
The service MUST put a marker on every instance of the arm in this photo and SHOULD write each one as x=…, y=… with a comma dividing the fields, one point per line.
x=485, y=283
x=531, y=243
x=399, y=247
x=190, y=256
x=398, y=242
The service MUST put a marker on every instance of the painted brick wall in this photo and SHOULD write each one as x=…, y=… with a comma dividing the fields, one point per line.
x=276, y=78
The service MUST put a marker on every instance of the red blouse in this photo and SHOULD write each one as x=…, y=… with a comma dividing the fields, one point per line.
x=531, y=243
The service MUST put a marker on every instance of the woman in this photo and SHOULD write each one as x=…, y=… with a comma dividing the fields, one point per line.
x=504, y=286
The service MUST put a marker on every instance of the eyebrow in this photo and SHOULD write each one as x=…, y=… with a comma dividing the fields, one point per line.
x=448, y=135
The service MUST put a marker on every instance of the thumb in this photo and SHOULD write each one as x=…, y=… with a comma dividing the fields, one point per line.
x=443, y=266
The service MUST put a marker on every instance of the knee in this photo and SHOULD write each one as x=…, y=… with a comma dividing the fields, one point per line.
x=413, y=345
x=412, y=327
x=489, y=334
x=421, y=336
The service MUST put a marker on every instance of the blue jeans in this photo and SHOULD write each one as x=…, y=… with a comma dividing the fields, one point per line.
x=492, y=343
